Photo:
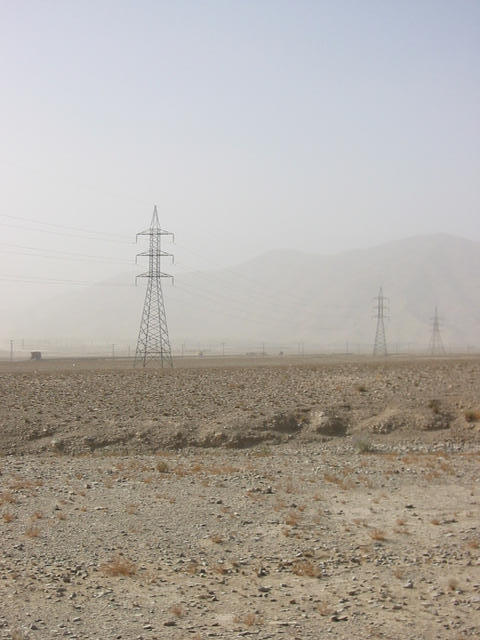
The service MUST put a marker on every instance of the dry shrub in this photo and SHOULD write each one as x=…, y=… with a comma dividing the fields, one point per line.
x=8, y=517
x=192, y=567
x=364, y=446
x=221, y=569
x=180, y=471
x=131, y=509
x=249, y=619
x=177, y=610
x=289, y=487
x=377, y=534
x=292, y=519
x=473, y=415
x=447, y=468
x=306, y=568
x=360, y=522
x=324, y=609
x=399, y=572
x=452, y=584
x=32, y=532
x=435, y=521
x=340, y=482
x=161, y=466
x=21, y=483
x=61, y=516
x=7, y=497
x=216, y=538
x=119, y=566
x=473, y=544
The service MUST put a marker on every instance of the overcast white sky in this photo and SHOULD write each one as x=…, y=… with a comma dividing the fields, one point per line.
x=320, y=126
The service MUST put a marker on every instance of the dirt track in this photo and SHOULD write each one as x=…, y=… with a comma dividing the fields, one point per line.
x=297, y=501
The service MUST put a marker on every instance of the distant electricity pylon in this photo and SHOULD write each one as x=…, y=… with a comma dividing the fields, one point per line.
x=436, y=347
x=380, y=346
x=153, y=342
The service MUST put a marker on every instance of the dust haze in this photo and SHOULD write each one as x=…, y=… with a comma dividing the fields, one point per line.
x=275, y=432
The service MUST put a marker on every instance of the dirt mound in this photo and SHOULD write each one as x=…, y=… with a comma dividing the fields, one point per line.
x=132, y=412
x=386, y=422
x=329, y=422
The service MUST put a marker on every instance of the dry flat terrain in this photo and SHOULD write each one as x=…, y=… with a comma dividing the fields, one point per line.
x=308, y=499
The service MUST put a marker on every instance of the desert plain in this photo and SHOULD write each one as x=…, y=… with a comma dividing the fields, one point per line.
x=251, y=498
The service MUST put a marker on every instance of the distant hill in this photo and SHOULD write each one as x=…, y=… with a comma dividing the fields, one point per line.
x=288, y=297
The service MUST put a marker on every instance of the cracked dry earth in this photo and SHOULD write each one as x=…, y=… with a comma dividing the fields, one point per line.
x=341, y=500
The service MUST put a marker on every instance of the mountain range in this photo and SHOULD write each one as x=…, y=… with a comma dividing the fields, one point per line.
x=289, y=297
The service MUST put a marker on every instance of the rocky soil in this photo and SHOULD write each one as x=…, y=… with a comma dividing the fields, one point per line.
x=307, y=500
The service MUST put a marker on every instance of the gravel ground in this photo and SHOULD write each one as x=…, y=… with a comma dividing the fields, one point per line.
x=303, y=500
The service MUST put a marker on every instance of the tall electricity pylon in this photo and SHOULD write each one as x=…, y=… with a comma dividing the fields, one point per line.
x=380, y=346
x=436, y=347
x=153, y=342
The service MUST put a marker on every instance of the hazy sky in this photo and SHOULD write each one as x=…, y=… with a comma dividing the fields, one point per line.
x=254, y=125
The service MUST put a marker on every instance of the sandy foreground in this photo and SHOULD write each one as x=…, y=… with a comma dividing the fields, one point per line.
x=309, y=499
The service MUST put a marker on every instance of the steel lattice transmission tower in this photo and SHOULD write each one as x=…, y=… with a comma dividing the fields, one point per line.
x=153, y=342
x=380, y=346
x=436, y=347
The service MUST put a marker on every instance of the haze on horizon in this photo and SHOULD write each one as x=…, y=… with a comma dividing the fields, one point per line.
x=315, y=126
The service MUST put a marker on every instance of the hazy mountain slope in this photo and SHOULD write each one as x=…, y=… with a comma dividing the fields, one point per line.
x=288, y=296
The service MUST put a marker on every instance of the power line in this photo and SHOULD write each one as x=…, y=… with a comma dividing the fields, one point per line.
x=64, y=234
x=39, y=280
x=33, y=252
x=62, y=226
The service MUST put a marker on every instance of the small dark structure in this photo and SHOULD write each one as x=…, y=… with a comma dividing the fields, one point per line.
x=35, y=355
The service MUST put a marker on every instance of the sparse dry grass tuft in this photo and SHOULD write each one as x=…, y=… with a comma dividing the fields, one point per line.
x=8, y=516
x=177, y=610
x=340, y=482
x=292, y=519
x=32, y=532
x=377, y=534
x=473, y=415
x=399, y=572
x=248, y=619
x=216, y=538
x=192, y=567
x=161, y=466
x=7, y=497
x=119, y=566
x=324, y=609
x=452, y=584
x=306, y=568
